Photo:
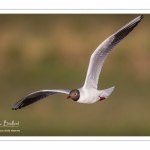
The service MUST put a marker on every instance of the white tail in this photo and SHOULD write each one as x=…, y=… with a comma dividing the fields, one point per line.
x=108, y=91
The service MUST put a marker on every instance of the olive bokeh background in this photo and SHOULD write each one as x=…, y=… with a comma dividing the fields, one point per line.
x=53, y=51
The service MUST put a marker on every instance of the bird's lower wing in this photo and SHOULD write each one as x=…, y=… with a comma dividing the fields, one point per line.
x=36, y=96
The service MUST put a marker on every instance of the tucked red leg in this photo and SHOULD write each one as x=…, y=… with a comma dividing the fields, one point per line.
x=102, y=98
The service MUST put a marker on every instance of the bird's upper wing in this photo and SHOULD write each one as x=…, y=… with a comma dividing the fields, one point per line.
x=99, y=55
x=36, y=96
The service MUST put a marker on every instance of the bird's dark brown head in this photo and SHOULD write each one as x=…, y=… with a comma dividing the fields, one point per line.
x=74, y=95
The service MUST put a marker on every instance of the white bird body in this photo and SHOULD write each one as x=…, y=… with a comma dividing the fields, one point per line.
x=91, y=95
x=87, y=94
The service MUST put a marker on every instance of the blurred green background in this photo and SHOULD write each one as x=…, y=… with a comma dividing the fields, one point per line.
x=53, y=51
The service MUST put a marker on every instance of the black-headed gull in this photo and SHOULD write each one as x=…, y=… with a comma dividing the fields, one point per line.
x=87, y=94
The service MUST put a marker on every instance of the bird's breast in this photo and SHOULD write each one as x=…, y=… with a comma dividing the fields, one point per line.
x=88, y=96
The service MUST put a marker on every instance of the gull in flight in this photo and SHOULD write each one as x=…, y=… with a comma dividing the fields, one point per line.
x=88, y=93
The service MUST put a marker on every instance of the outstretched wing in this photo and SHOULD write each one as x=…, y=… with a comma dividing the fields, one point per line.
x=36, y=96
x=98, y=57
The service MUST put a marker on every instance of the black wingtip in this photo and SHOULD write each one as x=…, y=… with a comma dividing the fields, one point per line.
x=141, y=16
x=14, y=108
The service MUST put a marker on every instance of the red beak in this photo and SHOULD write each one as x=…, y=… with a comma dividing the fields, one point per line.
x=68, y=97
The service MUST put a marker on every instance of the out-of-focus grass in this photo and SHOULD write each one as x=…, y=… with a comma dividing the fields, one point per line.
x=53, y=51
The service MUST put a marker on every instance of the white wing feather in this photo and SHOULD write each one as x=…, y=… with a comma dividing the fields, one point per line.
x=99, y=55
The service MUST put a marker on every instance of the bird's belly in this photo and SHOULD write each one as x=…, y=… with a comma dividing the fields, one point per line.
x=87, y=101
x=89, y=97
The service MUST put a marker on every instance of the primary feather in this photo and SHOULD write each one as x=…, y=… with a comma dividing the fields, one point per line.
x=98, y=57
